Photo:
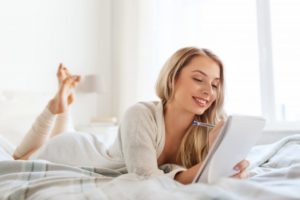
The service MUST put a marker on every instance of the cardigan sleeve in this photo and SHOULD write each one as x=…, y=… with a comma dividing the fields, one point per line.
x=138, y=136
x=171, y=170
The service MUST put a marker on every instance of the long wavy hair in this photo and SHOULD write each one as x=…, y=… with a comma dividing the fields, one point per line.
x=194, y=146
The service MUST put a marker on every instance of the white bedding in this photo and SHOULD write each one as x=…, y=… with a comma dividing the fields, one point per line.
x=275, y=174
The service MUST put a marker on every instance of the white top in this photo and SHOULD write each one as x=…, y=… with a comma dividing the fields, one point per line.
x=140, y=141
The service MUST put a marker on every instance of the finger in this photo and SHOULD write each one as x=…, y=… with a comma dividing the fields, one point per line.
x=241, y=165
x=241, y=175
x=244, y=174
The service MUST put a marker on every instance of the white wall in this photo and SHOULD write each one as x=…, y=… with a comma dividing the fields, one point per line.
x=124, y=51
x=146, y=33
x=134, y=53
x=38, y=34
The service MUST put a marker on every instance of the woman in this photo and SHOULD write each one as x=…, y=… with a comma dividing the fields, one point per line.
x=155, y=138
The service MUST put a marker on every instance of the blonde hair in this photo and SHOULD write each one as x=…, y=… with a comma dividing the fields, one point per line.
x=194, y=146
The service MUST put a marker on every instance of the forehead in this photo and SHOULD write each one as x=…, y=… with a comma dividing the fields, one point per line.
x=204, y=64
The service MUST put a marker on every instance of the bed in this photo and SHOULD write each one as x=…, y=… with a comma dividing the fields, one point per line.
x=274, y=174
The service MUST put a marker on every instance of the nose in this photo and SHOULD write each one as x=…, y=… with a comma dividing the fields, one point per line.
x=207, y=90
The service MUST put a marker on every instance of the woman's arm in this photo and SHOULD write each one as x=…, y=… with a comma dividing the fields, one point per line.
x=186, y=177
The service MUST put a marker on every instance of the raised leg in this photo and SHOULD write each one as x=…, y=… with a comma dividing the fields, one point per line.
x=45, y=122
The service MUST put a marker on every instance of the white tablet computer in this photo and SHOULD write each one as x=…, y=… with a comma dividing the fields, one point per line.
x=237, y=136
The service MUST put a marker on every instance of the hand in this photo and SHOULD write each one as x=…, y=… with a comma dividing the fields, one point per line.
x=242, y=168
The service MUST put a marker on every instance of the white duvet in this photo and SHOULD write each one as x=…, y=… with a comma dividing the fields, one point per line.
x=275, y=174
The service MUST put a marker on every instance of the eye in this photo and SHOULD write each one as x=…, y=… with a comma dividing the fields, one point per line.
x=198, y=80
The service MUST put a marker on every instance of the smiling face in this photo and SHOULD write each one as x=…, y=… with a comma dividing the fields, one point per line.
x=197, y=84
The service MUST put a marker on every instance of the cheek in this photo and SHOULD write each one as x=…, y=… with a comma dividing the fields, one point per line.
x=214, y=96
x=183, y=93
x=186, y=86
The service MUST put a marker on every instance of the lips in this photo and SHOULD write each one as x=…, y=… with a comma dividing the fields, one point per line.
x=201, y=101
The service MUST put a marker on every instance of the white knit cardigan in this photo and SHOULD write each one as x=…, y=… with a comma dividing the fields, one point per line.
x=140, y=141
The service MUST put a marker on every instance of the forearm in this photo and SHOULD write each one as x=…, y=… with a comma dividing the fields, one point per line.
x=186, y=177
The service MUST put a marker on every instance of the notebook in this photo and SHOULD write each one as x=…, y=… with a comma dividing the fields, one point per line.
x=237, y=136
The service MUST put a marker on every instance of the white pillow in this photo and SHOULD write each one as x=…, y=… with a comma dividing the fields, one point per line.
x=6, y=149
x=21, y=103
x=18, y=110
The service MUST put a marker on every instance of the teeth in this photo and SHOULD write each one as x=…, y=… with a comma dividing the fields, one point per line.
x=202, y=101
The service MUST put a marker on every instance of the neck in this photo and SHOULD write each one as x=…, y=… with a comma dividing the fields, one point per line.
x=177, y=120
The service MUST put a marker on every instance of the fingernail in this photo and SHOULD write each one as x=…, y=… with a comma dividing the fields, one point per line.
x=236, y=168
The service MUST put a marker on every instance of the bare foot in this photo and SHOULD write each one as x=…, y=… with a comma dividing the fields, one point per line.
x=62, y=74
x=64, y=96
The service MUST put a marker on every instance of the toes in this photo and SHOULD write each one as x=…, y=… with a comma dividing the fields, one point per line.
x=67, y=81
x=60, y=66
x=70, y=82
x=59, y=71
x=62, y=73
x=76, y=80
x=67, y=72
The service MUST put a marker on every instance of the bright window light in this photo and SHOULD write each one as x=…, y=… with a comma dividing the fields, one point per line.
x=229, y=29
x=285, y=21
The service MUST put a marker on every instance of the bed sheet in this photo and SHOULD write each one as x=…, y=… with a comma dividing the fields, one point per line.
x=274, y=174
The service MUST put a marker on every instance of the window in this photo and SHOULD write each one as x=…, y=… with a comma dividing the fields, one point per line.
x=285, y=23
x=258, y=42
x=228, y=28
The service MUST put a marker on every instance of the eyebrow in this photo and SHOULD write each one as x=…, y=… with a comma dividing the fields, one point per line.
x=201, y=72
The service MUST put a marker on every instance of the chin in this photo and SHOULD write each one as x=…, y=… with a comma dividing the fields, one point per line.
x=199, y=111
